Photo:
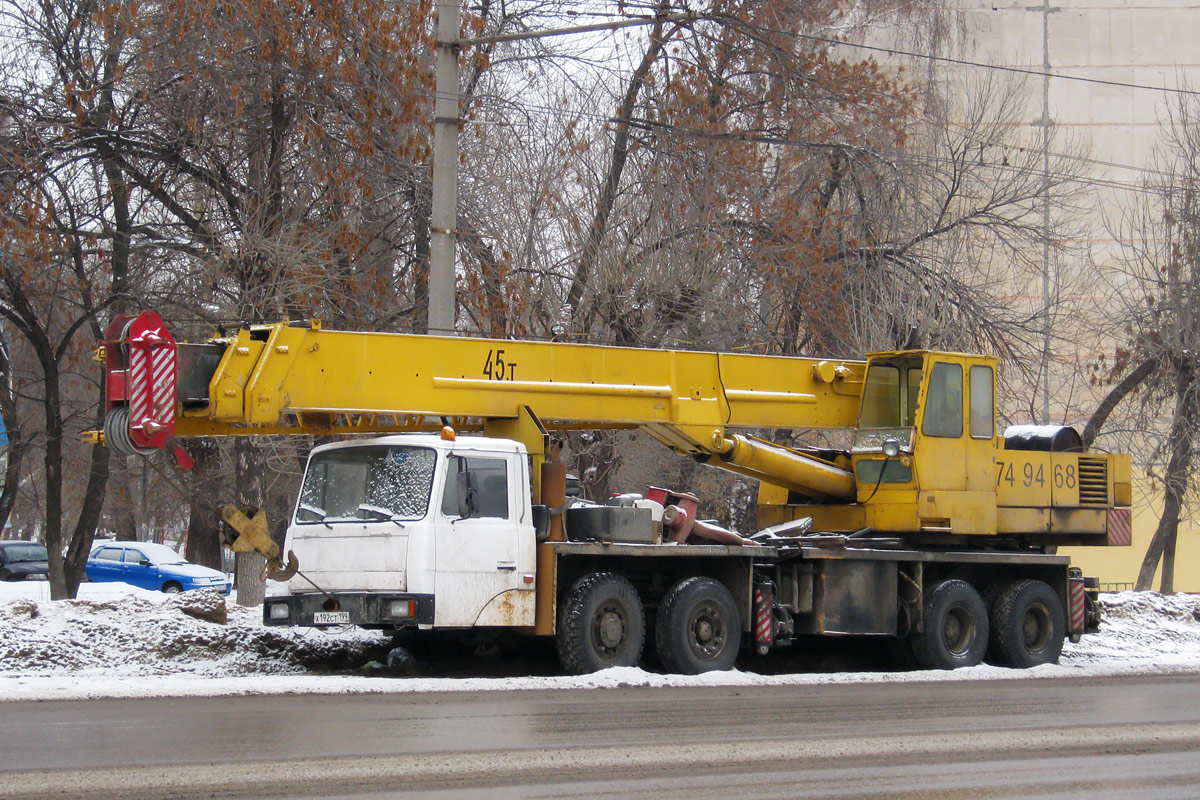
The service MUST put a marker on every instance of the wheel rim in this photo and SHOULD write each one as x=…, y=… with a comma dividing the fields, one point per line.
x=958, y=631
x=1035, y=628
x=608, y=629
x=707, y=632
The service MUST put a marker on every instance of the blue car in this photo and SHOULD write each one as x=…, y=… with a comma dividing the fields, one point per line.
x=151, y=566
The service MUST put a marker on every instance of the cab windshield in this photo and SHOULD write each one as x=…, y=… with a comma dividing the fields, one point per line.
x=889, y=405
x=371, y=483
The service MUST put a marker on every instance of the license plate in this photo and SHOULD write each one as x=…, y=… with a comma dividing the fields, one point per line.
x=331, y=618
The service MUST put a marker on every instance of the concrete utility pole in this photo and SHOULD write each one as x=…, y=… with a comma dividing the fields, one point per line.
x=446, y=118
x=443, y=220
x=1046, y=123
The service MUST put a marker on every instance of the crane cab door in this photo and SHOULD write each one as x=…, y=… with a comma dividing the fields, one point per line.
x=956, y=447
x=480, y=574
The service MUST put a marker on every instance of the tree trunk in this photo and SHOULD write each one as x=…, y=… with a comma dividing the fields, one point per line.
x=52, y=462
x=251, y=588
x=15, y=446
x=1127, y=384
x=203, y=534
x=80, y=545
x=1175, y=483
x=616, y=167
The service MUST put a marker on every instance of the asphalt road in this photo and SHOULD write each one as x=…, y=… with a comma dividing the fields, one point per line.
x=1094, y=738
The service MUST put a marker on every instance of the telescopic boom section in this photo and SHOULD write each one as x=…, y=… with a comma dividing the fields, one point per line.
x=289, y=379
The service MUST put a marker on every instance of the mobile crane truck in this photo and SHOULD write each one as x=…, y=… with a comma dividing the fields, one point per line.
x=930, y=527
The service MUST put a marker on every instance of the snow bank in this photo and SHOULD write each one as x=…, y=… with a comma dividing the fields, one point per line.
x=117, y=641
x=115, y=630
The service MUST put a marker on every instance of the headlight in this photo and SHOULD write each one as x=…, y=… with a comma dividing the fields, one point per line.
x=279, y=611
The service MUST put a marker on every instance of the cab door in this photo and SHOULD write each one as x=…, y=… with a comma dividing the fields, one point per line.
x=480, y=578
x=957, y=448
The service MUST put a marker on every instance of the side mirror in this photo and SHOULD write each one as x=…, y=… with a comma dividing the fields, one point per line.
x=145, y=562
x=465, y=483
x=541, y=522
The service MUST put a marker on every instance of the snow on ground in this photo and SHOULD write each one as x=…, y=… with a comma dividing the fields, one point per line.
x=118, y=641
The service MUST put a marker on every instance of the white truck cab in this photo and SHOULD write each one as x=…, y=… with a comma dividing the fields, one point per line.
x=413, y=529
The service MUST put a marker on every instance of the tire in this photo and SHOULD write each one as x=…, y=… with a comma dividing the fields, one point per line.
x=171, y=587
x=1028, y=625
x=954, y=627
x=697, y=628
x=601, y=624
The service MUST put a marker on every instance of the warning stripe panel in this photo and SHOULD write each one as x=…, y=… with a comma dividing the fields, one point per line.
x=762, y=628
x=1077, y=606
x=139, y=394
x=1120, y=527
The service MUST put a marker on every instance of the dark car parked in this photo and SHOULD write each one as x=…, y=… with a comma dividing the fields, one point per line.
x=21, y=561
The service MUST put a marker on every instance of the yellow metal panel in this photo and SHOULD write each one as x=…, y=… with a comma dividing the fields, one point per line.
x=227, y=389
x=266, y=393
x=1022, y=520
x=834, y=518
x=1024, y=478
x=1078, y=520
x=771, y=495
x=1065, y=479
x=1121, y=479
x=893, y=511
x=972, y=513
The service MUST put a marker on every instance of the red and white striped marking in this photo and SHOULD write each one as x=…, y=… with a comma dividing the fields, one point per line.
x=1077, y=605
x=151, y=381
x=762, y=617
x=162, y=381
x=139, y=388
x=1120, y=527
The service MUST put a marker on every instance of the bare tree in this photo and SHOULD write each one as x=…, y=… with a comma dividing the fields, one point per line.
x=1156, y=287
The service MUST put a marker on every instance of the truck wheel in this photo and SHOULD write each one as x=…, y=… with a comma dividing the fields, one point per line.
x=697, y=628
x=1028, y=625
x=955, y=627
x=601, y=624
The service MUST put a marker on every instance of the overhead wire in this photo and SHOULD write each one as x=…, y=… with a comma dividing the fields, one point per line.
x=752, y=138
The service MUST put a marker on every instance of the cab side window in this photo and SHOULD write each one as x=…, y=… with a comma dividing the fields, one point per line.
x=983, y=414
x=944, y=402
x=491, y=486
x=110, y=554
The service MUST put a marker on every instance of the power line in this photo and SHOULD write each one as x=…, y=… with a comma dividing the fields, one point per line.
x=997, y=67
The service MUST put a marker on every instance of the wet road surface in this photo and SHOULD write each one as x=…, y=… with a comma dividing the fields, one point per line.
x=1045, y=738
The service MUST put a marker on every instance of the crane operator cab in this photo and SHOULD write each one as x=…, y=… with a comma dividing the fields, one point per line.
x=924, y=452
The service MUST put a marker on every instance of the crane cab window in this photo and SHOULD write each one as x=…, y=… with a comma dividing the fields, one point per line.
x=983, y=404
x=490, y=478
x=889, y=404
x=944, y=402
x=890, y=394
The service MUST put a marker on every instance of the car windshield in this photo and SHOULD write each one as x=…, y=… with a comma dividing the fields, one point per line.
x=23, y=553
x=160, y=554
x=367, y=483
